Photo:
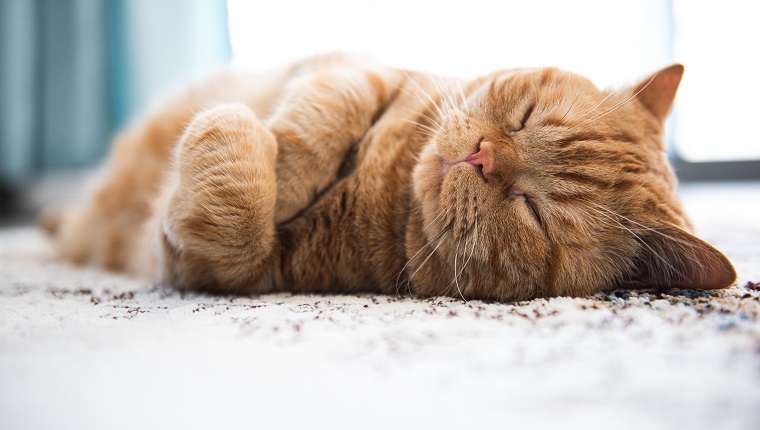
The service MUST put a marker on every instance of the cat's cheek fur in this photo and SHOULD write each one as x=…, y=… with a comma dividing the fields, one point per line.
x=427, y=179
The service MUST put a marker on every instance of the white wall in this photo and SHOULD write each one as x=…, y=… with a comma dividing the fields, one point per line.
x=612, y=42
x=718, y=100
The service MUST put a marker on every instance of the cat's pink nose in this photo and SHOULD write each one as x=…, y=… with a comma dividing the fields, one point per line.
x=483, y=158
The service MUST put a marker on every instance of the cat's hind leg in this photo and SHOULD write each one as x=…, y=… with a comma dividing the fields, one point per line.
x=213, y=227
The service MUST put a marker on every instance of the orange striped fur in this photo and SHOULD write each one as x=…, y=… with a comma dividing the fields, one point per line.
x=338, y=175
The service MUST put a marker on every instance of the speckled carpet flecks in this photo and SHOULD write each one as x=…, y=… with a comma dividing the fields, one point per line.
x=80, y=349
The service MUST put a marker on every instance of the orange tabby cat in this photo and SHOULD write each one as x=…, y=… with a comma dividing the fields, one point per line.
x=337, y=175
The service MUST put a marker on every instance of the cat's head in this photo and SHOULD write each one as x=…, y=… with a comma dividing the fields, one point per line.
x=536, y=183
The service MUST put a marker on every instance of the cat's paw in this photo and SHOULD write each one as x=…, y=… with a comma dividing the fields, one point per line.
x=226, y=180
x=216, y=230
x=224, y=137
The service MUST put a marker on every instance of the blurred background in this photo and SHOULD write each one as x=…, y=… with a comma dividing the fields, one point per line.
x=73, y=72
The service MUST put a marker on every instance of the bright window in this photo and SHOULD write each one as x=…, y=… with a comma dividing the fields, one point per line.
x=613, y=43
x=718, y=101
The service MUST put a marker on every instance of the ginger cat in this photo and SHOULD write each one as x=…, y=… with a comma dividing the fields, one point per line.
x=338, y=175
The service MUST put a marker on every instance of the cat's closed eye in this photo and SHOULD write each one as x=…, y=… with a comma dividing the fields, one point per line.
x=532, y=208
x=529, y=203
x=523, y=121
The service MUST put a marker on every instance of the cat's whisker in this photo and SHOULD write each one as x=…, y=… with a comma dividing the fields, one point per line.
x=429, y=131
x=433, y=121
x=569, y=109
x=642, y=226
x=464, y=97
x=425, y=227
x=614, y=226
x=609, y=215
x=617, y=106
x=604, y=112
x=440, y=242
x=670, y=266
x=448, y=101
x=670, y=270
x=457, y=101
x=593, y=108
x=438, y=238
x=441, y=212
x=453, y=100
x=456, y=275
x=474, y=241
x=433, y=110
x=437, y=120
x=472, y=252
x=440, y=111
x=441, y=91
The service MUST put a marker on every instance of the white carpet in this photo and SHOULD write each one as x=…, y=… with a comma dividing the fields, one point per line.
x=84, y=349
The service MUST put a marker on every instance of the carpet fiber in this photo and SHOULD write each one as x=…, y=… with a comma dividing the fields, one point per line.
x=81, y=348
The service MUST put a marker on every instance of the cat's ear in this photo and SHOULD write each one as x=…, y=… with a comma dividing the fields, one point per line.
x=657, y=91
x=675, y=258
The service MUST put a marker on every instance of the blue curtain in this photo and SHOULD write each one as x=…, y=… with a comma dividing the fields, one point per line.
x=74, y=71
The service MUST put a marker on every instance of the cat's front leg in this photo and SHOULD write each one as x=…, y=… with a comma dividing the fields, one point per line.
x=214, y=227
x=320, y=116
